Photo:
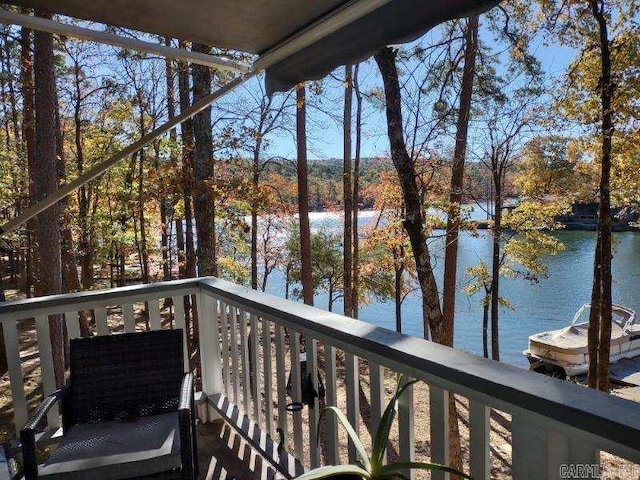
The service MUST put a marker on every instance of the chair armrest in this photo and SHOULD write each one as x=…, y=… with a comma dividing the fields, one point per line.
x=28, y=435
x=186, y=392
x=43, y=409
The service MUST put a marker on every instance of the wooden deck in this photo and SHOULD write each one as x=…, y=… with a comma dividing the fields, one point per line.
x=224, y=455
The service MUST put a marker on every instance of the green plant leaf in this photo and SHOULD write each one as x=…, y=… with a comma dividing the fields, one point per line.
x=362, y=453
x=334, y=470
x=382, y=434
x=394, y=469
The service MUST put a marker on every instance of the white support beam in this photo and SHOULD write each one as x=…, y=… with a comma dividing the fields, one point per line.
x=333, y=22
x=45, y=25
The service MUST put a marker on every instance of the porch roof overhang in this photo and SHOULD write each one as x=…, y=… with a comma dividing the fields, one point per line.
x=294, y=40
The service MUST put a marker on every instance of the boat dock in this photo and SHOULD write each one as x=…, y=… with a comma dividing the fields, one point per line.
x=626, y=374
x=625, y=378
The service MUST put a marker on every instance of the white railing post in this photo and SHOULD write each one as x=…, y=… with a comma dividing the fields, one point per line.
x=47, y=366
x=129, y=319
x=529, y=449
x=268, y=383
x=314, y=414
x=281, y=382
x=224, y=319
x=16, y=380
x=244, y=357
x=479, y=429
x=210, y=356
x=352, y=384
x=296, y=396
x=155, y=320
x=100, y=315
x=254, y=373
x=439, y=412
x=376, y=384
x=406, y=432
x=567, y=456
x=235, y=355
x=73, y=324
x=181, y=324
x=331, y=400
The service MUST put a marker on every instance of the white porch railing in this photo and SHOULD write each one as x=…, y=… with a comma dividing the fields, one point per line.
x=248, y=343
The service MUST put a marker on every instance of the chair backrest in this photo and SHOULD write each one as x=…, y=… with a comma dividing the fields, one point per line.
x=124, y=376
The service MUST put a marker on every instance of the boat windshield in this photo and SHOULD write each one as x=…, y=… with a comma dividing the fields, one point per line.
x=620, y=315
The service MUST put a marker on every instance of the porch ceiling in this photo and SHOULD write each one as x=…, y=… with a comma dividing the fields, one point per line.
x=260, y=26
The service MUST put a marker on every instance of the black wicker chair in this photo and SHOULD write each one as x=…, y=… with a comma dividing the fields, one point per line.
x=127, y=412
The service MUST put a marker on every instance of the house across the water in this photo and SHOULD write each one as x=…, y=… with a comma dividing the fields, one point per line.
x=584, y=216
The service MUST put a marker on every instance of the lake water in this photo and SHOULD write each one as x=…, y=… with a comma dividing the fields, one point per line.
x=547, y=305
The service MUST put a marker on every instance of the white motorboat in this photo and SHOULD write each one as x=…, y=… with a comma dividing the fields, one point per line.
x=564, y=352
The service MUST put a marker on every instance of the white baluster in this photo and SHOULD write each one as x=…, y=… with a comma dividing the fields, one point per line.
x=529, y=455
x=235, y=360
x=179, y=317
x=210, y=354
x=312, y=368
x=254, y=373
x=224, y=330
x=298, y=447
x=244, y=348
x=352, y=382
x=439, y=412
x=268, y=387
x=100, y=315
x=406, y=440
x=12, y=349
x=46, y=364
x=73, y=324
x=281, y=380
x=129, y=319
x=330, y=421
x=479, y=429
x=155, y=320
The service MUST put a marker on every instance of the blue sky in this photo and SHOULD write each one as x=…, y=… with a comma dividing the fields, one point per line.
x=325, y=134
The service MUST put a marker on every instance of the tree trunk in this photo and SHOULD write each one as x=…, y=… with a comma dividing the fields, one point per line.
x=204, y=200
x=45, y=176
x=495, y=267
x=593, y=332
x=86, y=246
x=70, y=280
x=485, y=330
x=28, y=136
x=254, y=206
x=173, y=138
x=187, y=167
x=407, y=175
x=453, y=219
x=398, y=297
x=356, y=198
x=188, y=150
x=457, y=180
x=414, y=225
x=303, y=195
x=603, y=255
x=347, y=193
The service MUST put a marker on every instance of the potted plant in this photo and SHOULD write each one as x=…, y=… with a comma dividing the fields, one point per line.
x=372, y=467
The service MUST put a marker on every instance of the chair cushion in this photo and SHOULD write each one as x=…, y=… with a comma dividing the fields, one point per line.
x=114, y=450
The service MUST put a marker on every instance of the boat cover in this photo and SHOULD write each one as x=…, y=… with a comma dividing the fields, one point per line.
x=572, y=339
